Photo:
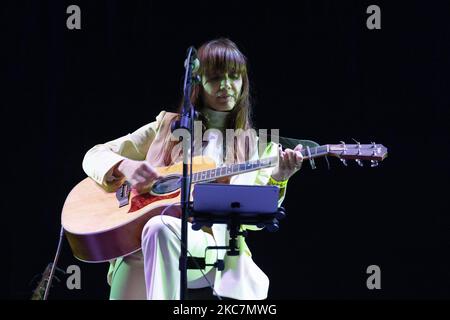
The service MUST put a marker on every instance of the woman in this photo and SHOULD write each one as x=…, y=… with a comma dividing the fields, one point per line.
x=223, y=101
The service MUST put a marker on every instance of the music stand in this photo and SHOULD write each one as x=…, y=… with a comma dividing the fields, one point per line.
x=235, y=205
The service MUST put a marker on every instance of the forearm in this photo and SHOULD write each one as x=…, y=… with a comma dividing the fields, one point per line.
x=99, y=163
x=102, y=161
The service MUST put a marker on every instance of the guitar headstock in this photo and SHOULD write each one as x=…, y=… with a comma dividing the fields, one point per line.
x=374, y=152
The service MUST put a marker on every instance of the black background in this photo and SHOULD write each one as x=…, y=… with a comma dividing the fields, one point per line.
x=317, y=73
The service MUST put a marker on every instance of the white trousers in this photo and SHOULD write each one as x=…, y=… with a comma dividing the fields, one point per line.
x=153, y=272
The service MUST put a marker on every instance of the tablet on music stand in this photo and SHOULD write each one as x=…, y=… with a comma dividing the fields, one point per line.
x=225, y=198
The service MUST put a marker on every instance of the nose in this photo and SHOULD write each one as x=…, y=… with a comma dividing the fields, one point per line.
x=225, y=83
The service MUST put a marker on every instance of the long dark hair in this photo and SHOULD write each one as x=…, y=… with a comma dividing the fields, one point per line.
x=223, y=56
x=220, y=56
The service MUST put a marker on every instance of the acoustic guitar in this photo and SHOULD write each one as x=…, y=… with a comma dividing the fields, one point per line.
x=101, y=226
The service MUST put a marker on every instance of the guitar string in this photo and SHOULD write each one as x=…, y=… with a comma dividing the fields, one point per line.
x=261, y=164
x=196, y=263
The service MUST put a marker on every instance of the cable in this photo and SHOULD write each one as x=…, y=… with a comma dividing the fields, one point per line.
x=178, y=237
x=55, y=262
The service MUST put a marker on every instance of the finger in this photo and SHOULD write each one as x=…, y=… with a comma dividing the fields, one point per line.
x=298, y=165
x=143, y=184
x=137, y=178
x=288, y=160
x=298, y=151
x=136, y=184
x=148, y=168
x=150, y=178
x=140, y=188
x=147, y=175
x=282, y=159
x=280, y=154
x=288, y=153
x=298, y=159
x=292, y=161
x=298, y=147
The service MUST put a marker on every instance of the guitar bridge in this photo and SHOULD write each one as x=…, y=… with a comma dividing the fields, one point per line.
x=123, y=194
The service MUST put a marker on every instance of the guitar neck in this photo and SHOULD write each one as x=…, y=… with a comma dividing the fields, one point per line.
x=315, y=152
x=233, y=169
x=239, y=168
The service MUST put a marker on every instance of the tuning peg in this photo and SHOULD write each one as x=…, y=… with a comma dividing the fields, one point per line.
x=359, y=162
x=344, y=150
x=359, y=148
x=373, y=163
x=357, y=142
x=375, y=149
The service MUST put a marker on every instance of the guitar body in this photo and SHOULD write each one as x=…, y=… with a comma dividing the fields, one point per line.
x=98, y=230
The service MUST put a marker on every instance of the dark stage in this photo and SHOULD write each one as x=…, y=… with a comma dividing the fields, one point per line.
x=317, y=72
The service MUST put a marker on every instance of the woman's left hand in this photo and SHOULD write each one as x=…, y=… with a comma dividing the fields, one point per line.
x=290, y=161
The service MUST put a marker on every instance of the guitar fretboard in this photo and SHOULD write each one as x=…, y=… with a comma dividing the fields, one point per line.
x=233, y=169
x=315, y=152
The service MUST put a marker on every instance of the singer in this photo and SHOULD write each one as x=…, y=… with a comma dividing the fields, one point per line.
x=222, y=99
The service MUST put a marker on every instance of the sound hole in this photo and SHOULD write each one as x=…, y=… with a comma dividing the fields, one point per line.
x=167, y=184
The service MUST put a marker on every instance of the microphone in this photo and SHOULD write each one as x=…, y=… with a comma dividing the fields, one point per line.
x=193, y=60
x=195, y=65
x=192, y=65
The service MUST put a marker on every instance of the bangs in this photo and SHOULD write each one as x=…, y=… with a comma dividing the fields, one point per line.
x=221, y=58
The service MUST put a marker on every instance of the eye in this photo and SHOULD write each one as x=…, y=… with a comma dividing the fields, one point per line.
x=234, y=76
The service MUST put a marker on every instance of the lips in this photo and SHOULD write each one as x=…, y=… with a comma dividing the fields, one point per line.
x=224, y=99
x=224, y=96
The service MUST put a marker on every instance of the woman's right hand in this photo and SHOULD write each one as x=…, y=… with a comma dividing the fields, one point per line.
x=140, y=174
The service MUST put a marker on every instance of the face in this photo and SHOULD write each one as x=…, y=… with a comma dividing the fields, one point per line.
x=221, y=92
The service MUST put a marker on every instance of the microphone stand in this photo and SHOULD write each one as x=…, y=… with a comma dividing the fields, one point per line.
x=186, y=122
